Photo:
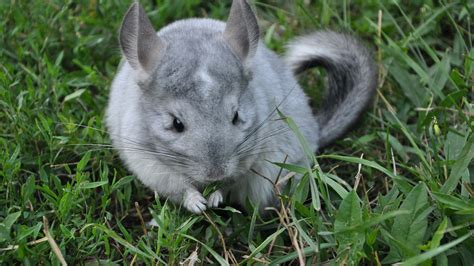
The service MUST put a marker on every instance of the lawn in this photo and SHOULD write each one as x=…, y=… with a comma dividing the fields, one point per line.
x=399, y=188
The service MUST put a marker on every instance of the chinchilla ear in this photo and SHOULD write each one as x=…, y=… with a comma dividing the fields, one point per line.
x=242, y=31
x=138, y=40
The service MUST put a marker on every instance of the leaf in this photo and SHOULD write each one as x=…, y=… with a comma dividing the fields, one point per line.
x=303, y=232
x=397, y=52
x=375, y=220
x=459, y=167
x=440, y=76
x=112, y=234
x=252, y=224
x=388, y=202
x=340, y=190
x=6, y=226
x=34, y=230
x=265, y=243
x=301, y=192
x=438, y=235
x=89, y=185
x=11, y=219
x=65, y=204
x=396, y=247
x=315, y=197
x=269, y=34
x=466, y=211
x=454, y=98
x=396, y=145
x=218, y=257
x=434, y=252
x=122, y=182
x=83, y=162
x=453, y=202
x=292, y=168
x=408, y=134
x=74, y=95
x=4, y=233
x=410, y=228
x=457, y=79
x=59, y=59
x=230, y=209
x=402, y=182
x=304, y=144
x=294, y=255
x=409, y=85
x=453, y=145
x=469, y=63
x=349, y=215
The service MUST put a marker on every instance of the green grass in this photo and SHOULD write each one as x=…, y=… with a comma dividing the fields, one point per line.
x=399, y=188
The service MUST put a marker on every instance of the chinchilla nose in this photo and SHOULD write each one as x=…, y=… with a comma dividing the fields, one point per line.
x=216, y=160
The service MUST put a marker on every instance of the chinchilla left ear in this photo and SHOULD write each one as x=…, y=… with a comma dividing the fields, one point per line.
x=138, y=40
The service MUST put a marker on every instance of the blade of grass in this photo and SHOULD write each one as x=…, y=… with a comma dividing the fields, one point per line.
x=416, y=260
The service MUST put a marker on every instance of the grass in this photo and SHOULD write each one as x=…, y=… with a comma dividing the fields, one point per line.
x=397, y=189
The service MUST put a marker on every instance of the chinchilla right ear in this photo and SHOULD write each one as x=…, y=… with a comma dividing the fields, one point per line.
x=138, y=40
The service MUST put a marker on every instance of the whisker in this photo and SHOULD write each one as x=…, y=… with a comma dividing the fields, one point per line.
x=135, y=141
x=257, y=153
x=261, y=141
x=269, y=116
x=158, y=156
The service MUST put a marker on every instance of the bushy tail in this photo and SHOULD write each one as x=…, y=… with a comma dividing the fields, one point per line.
x=352, y=78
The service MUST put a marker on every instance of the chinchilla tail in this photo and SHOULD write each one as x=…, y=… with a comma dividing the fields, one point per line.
x=351, y=78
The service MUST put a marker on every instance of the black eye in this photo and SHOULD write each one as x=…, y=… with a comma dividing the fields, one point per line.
x=236, y=118
x=178, y=125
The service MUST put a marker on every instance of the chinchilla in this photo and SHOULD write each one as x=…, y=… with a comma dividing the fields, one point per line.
x=196, y=104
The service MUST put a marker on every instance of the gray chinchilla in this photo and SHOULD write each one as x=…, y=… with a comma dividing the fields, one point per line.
x=195, y=104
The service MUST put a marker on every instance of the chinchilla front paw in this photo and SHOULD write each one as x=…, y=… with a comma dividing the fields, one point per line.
x=215, y=199
x=194, y=202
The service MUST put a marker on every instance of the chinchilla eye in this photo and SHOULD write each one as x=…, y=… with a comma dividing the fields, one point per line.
x=178, y=125
x=236, y=118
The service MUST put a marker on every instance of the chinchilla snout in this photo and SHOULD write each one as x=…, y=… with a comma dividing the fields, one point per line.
x=218, y=162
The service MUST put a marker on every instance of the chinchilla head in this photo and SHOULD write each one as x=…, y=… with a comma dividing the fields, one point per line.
x=196, y=106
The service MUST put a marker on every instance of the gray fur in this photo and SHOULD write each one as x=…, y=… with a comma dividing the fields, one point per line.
x=205, y=71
